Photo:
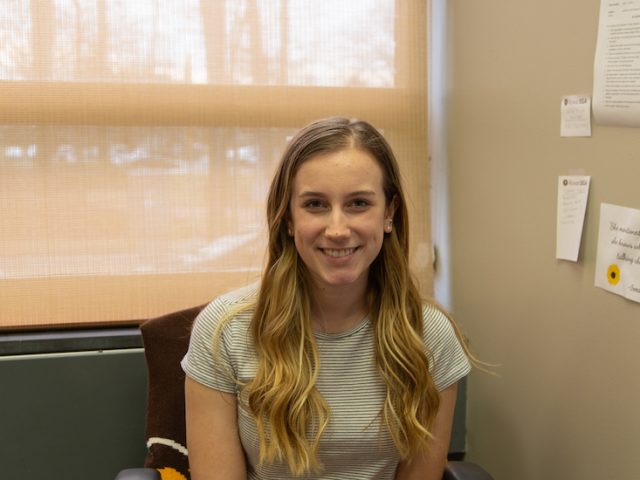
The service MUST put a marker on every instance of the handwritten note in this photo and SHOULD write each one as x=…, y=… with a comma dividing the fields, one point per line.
x=618, y=258
x=575, y=116
x=573, y=192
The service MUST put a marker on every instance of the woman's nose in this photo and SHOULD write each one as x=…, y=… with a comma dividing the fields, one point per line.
x=338, y=225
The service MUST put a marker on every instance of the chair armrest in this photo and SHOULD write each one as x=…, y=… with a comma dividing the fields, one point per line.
x=465, y=471
x=138, y=474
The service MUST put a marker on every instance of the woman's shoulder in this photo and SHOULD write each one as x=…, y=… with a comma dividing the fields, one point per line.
x=448, y=358
x=437, y=323
x=432, y=313
x=236, y=304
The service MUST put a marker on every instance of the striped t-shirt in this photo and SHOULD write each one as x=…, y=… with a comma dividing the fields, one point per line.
x=356, y=445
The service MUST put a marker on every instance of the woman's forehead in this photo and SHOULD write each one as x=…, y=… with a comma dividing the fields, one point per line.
x=349, y=166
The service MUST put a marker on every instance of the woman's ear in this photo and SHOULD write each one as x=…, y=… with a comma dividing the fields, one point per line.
x=389, y=212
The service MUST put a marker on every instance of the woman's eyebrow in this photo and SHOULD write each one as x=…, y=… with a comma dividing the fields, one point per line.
x=360, y=193
x=308, y=193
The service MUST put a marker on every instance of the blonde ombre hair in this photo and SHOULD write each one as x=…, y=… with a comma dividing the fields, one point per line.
x=290, y=413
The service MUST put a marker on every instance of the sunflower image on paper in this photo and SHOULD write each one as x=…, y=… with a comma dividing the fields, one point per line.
x=618, y=258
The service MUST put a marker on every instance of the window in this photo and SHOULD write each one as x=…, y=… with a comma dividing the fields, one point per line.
x=138, y=139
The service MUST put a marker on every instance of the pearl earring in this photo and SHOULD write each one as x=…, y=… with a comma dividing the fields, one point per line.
x=389, y=226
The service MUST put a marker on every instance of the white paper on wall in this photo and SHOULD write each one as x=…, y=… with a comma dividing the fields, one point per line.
x=616, y=78
x=575, y=116
x=573, y=193
x=618, y=258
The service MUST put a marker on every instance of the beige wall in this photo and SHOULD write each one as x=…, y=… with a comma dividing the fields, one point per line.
x=567, y=402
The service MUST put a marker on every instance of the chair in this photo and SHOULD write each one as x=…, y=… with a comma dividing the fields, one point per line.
x=165, y=341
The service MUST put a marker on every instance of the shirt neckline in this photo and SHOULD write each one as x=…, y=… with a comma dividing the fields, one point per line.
x=347, y=333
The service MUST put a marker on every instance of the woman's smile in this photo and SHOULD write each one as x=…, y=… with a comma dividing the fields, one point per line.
x=338, y=253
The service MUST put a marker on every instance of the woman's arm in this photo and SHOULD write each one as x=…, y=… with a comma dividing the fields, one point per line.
x=215, y=451
x=430, y=465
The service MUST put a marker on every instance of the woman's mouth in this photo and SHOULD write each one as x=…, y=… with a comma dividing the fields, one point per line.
x=338, y=252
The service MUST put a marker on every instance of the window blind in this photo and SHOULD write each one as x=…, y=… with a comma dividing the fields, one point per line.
x=138, y=140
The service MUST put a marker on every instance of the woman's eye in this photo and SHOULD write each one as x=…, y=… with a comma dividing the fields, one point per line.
x=313, y=204
x=360, y=203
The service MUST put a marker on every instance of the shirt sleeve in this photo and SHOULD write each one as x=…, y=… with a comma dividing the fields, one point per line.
x=448, y=361
x=212, y=368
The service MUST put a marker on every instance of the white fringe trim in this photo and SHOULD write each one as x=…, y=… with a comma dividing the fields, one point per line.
x=169, y=443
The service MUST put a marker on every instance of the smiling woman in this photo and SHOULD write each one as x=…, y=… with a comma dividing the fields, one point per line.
x=136, y=140
x=336, y=311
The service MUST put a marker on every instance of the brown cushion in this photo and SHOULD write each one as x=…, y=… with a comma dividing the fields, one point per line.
x=166, y=340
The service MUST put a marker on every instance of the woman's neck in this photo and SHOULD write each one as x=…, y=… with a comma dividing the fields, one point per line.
x=336, y=310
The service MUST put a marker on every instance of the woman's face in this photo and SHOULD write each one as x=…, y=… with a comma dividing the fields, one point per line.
x=338, y=216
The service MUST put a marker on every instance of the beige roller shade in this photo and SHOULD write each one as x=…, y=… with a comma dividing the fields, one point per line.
x=137, y=140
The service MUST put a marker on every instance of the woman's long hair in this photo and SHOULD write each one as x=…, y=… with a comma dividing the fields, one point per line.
x=290, y=413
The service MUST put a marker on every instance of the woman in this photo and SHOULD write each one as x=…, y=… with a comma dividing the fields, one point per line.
x=332, y=367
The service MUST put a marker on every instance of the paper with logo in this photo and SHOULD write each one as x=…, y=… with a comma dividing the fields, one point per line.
x=618, y=258
x=575, y=116
x=573, y=192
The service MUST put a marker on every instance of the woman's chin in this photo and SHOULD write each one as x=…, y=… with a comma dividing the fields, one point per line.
x=341, y=280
